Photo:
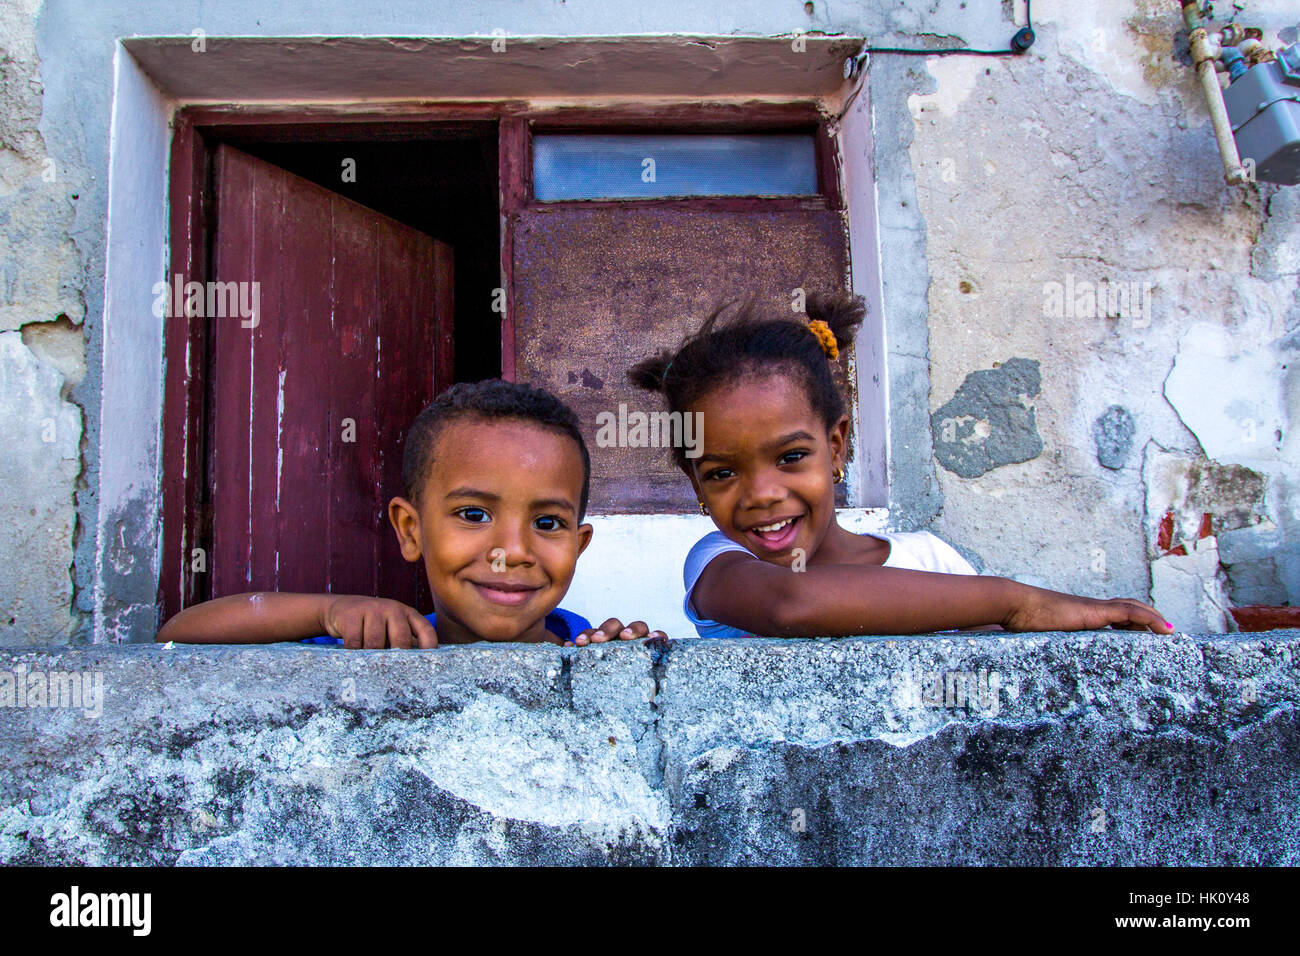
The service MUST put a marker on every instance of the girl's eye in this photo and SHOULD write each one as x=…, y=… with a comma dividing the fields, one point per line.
x=548, y=523
x=473, y=515
x=719, y=474
x=790, y=457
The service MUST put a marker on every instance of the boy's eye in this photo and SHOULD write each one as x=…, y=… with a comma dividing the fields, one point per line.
x=548, y=523
x=473, y=515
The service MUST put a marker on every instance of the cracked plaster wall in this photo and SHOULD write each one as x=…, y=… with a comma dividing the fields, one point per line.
x=1090, y=161
x=42, y=352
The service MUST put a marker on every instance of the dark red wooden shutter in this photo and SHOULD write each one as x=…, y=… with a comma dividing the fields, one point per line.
x=355, y=323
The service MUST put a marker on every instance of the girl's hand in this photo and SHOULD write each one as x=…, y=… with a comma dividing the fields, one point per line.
x=1043, y=610
x=613, y=628
x=377, y=622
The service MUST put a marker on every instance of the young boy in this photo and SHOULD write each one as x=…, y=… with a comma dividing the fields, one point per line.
x=496, y=477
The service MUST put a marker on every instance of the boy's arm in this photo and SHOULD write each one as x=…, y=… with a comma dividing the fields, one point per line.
x=839, y=600
x=265, y=617
x=258, y=618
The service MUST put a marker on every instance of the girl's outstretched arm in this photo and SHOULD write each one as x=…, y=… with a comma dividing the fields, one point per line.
x=843, y=599
x=266, y=617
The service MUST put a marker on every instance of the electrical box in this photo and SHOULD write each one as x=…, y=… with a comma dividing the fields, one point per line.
x=1264, y=108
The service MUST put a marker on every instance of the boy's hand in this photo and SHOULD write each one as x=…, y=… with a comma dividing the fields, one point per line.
x=613, y=628
x=1042, y=610
x=377, y=622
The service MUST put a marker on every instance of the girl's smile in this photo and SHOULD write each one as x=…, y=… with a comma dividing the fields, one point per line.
x=775, y=537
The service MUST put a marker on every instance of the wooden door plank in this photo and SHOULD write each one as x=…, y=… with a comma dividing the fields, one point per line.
x=406, y=380
x=304, y=513
x=355, y=323
x=264, y=341
x=231, y=389
x=351, y=546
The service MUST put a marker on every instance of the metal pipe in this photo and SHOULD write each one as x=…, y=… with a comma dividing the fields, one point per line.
x=1205, y=51
x=1255, y=51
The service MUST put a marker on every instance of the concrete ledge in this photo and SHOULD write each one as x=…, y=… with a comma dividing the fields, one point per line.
x=1094, y=748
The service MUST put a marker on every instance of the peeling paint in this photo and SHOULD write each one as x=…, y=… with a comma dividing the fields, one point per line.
x=61, y=344
x=1189, y=590
x=1188, y=489
x=1276, y=255
x=1242, y=418
x=1132, y=51
x=956, y=76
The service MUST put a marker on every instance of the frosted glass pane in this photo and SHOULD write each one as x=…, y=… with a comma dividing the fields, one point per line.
x=642, y=166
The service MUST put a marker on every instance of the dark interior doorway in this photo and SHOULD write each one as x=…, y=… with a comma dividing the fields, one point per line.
x=443, y=184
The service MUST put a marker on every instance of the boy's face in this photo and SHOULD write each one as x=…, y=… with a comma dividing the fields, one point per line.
x=497, y=527
x=765, y=469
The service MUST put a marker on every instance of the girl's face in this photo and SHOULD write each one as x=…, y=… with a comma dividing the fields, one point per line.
x=766, y=467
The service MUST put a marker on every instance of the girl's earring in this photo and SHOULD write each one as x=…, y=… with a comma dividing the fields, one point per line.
x=704, y=509
x=839, y=474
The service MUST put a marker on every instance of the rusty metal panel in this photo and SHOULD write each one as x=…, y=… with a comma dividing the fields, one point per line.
x=599, y=287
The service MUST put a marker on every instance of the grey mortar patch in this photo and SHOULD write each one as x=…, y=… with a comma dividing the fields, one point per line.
x=1113, y=432
x=994, y=398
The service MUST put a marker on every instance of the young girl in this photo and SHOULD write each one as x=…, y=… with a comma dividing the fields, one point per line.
x=774, y=442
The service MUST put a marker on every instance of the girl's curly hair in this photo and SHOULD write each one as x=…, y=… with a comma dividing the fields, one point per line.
x=756, y=341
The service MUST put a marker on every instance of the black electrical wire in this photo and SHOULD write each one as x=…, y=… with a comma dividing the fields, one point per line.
x=1021, y=42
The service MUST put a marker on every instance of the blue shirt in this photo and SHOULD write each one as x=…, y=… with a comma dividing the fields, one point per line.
x=564, y=624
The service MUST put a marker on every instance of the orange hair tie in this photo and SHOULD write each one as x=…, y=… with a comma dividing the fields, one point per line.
x=825, y=338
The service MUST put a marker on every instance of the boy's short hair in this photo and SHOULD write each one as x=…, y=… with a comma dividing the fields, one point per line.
x=490, y=399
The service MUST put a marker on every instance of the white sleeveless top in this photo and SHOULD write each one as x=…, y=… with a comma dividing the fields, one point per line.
x=910, y=550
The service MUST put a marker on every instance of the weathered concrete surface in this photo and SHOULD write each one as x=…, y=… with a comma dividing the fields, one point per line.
x=1091, y=160
x=1094, y=748
x=39, y=463
x=41, y=351
x=295, y=755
